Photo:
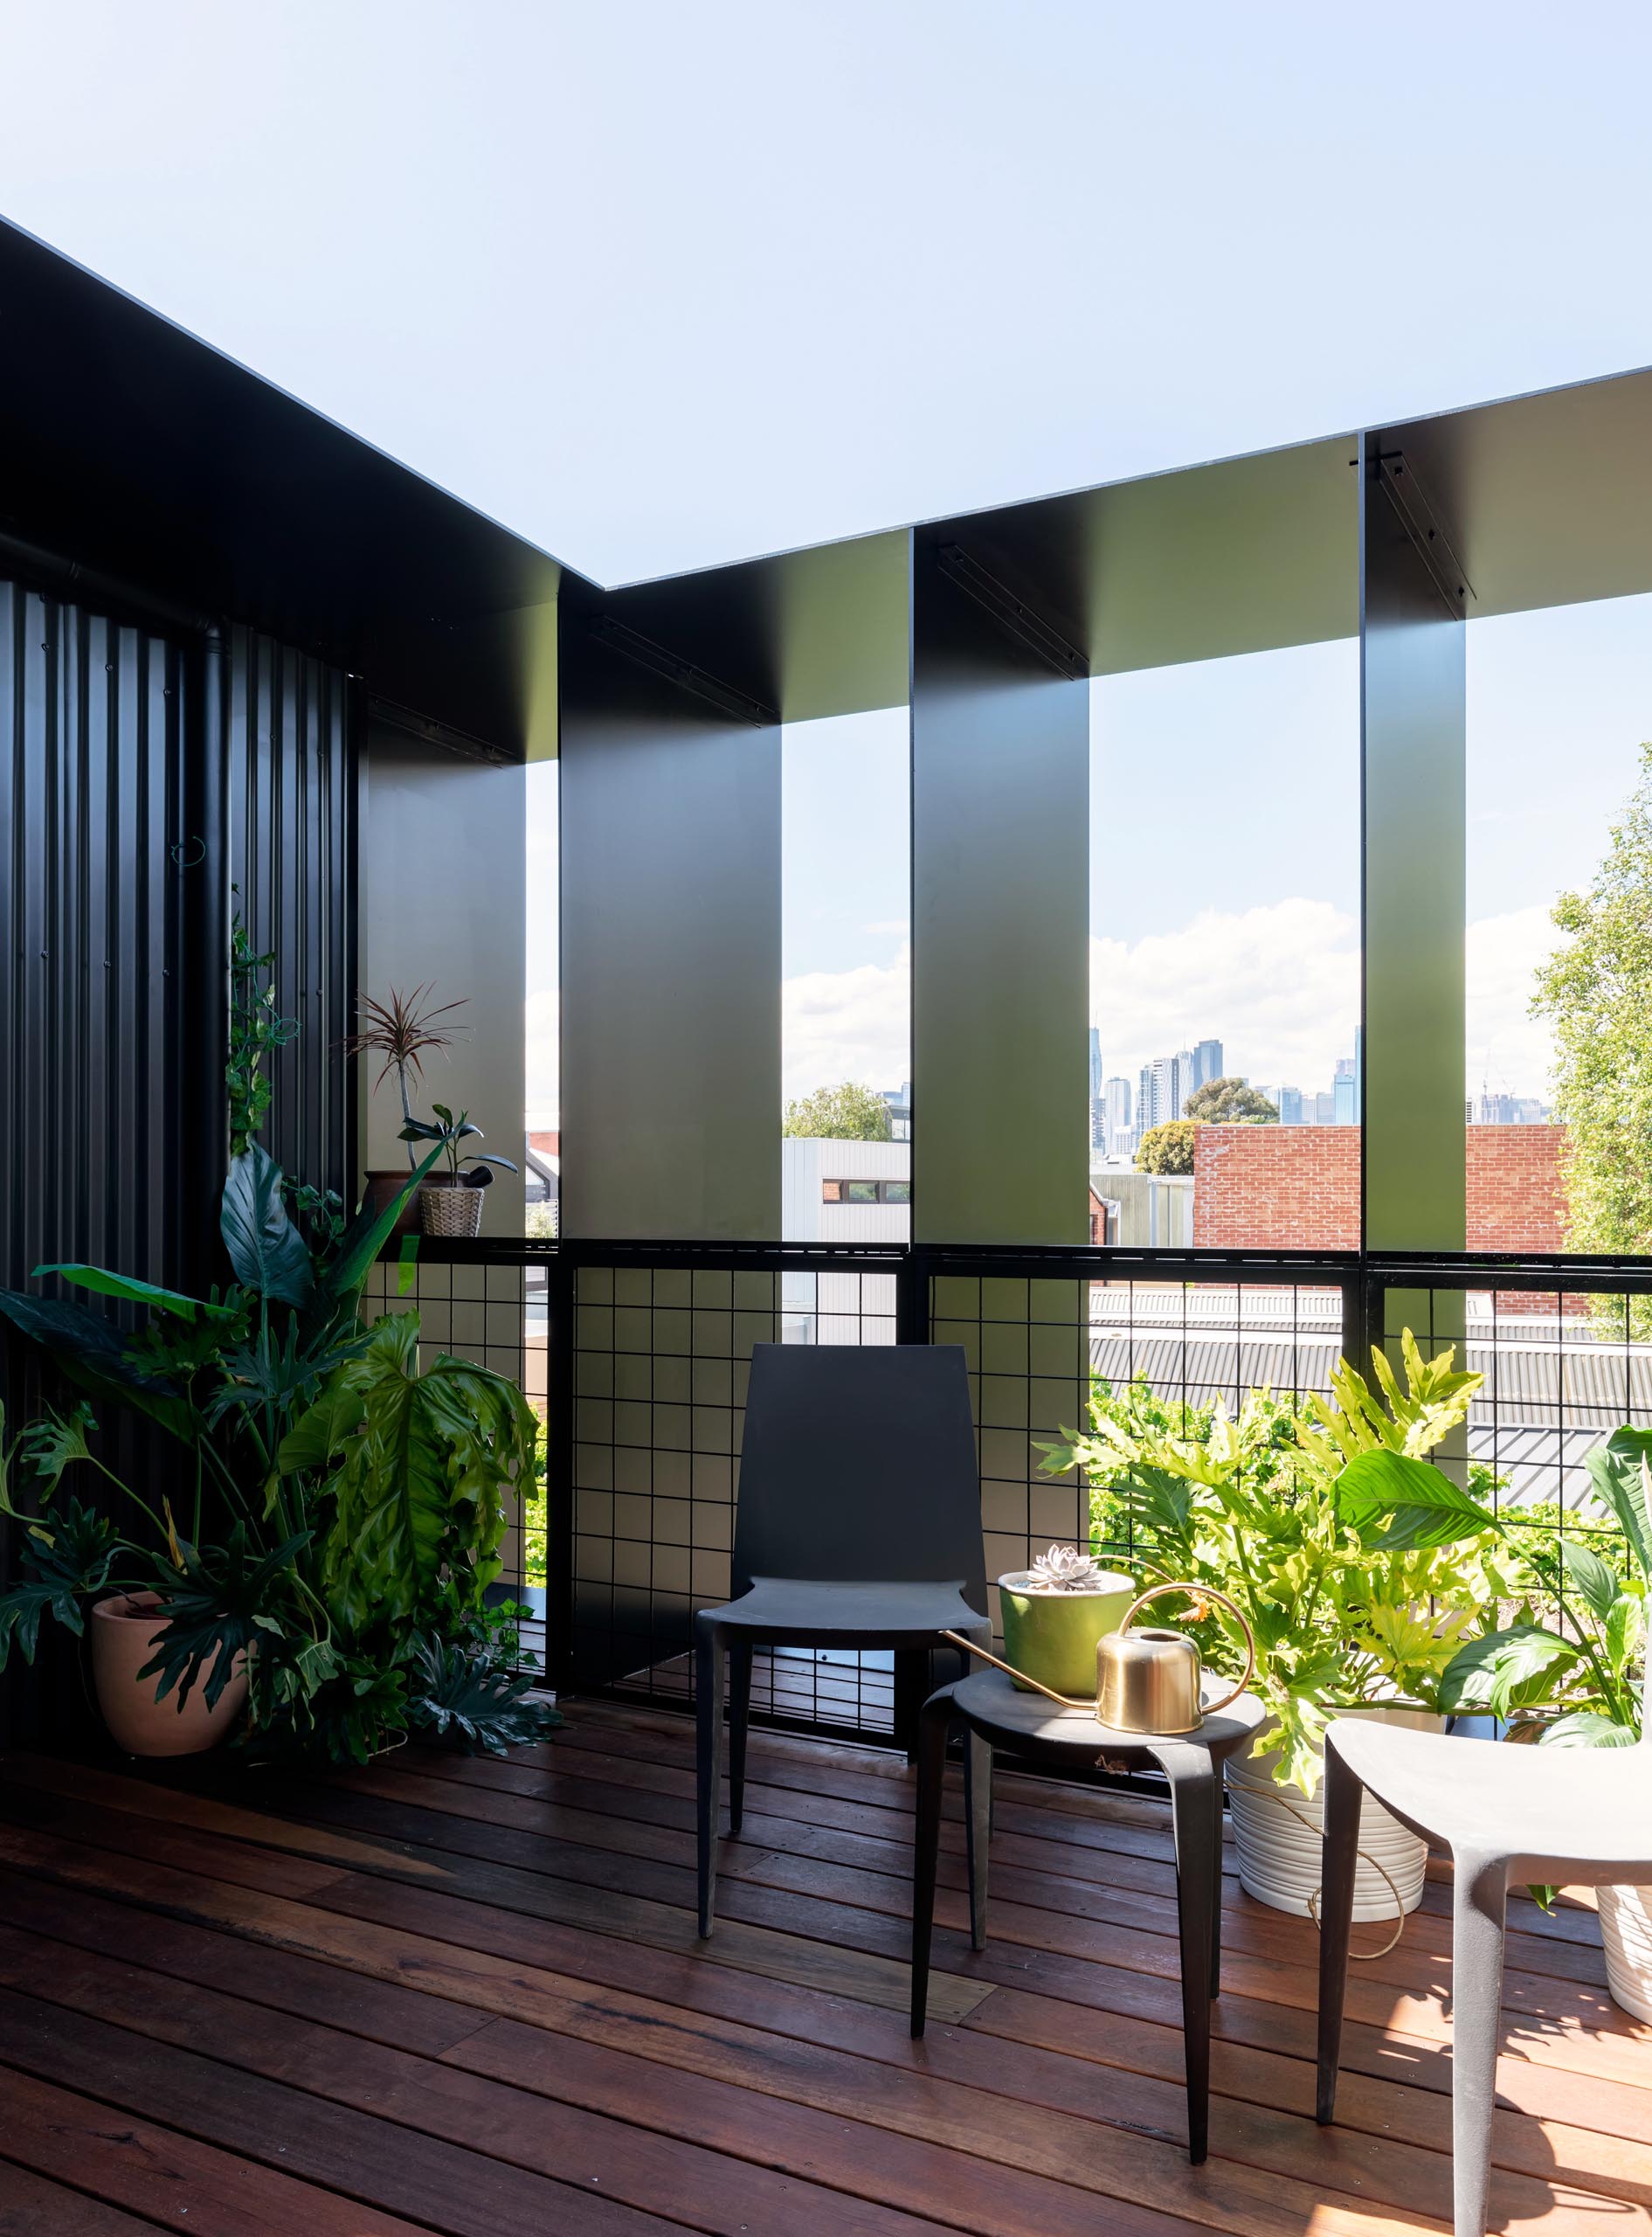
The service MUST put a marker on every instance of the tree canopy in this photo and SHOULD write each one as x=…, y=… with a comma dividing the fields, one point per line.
x=1169, y=1148
x=1228, y=1102
x=847, y=1113
x=1597, y=991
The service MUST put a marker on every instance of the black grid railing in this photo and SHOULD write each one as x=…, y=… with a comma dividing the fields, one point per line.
x=636, y=1356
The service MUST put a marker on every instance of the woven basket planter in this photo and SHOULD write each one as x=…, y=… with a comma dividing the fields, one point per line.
x=452, y=1211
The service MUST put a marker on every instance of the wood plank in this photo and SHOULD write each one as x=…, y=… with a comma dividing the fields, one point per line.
x=1344, y=2160
x=548, y=2132
x=430, y=2183
x=29, y=2207
x=780, y=1957
x=876, y=1874
x=171, y=2180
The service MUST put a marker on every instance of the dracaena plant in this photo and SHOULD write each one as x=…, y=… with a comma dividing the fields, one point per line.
x=1359, y=1566
x=333, y=1506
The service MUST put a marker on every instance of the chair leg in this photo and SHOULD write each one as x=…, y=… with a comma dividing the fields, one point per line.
x=739, y=1718
x=1339, y=1857
x=978, y=1812
x=1191, y=1775
x=1216, y=1883
x=709, y=1687
x=934, y=1723
x=911, y=1684
x=1479, y=1898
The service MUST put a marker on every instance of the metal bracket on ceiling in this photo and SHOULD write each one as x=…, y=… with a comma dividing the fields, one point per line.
x=642, y=651
x=1013, y=613
x=426, y=728
x=1425, y=526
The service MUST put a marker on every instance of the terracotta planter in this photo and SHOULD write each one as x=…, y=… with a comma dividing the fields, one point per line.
x=451, y=1207
x=380, y=1190
x=1279, y=1854
x=1054, y=1635
x=124, y=1634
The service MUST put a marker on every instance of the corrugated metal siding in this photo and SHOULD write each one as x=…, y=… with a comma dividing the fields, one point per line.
x=291, y=795
x=92, y=721
x=99, y=727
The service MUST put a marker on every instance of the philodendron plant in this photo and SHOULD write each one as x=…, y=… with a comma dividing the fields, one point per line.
x=1360, y=1567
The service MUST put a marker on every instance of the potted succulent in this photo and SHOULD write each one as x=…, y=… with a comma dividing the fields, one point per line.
x=1359, y=1565
x=404, y=1029
x=1056, y=1613
x=451, y=1202
x=1568, y=1670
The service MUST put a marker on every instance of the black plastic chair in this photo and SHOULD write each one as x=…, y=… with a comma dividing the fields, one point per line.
x=858, y=1527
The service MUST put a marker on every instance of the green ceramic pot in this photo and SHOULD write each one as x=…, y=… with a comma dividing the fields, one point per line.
x=1054, y=1635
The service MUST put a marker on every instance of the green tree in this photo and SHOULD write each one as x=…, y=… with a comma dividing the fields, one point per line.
x=1596, y=989
x=1229, y=1102
x=848, y=1113
x=1169, y=1148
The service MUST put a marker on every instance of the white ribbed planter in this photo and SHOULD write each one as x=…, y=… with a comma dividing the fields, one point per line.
x=1280, y=1860
x=1626, y=1930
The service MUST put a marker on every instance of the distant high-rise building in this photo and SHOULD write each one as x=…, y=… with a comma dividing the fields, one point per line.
x=1325, y=1108
x=1095, y=1064
x=1206, y=1063
x=900, y=1102
x=1118, y=1133
x=1290, y=1101
x=1345, y=1094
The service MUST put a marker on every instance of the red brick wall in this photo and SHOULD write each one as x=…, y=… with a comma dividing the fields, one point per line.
x=1297, y=1189
x=1516, y=1201
x=1276, y=1188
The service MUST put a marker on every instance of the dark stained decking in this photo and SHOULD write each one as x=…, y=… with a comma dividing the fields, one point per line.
x=467, y=1996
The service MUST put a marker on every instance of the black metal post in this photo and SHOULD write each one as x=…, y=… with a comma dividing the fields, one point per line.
x=202, y=854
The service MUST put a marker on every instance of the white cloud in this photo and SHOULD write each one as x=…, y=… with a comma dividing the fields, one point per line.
x=848, y=1025
x=1508, y=1048
x=1279, y=986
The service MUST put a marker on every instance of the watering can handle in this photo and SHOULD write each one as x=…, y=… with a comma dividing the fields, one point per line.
x=1203, y=1592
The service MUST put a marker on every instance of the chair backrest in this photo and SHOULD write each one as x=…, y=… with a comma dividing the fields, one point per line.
x=858, y=1464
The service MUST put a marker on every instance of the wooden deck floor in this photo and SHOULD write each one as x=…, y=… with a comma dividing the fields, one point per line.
x=467, y=1996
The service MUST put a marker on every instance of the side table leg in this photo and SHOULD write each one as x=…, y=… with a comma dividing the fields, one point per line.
x=934, y=1723
x=1216, y=1882
x=1191, y=1775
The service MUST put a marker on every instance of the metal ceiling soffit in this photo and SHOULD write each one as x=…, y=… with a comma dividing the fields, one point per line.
x=642, y=651
x=1014, y=613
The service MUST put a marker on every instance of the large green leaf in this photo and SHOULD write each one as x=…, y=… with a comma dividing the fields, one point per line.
x=1617, y=1469
x=1589, y=1577
x=93, y=1354
x=1507, y=1670
x=100, y=1279
x=268, y=1253
x=386, y=1547
x=67, y=1557
x=321, y=1433
x=1423, y=1507
x=1588, y=1728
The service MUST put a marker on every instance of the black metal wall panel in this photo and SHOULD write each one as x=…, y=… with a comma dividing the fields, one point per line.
x=670, y=958
x=292, y=834
x=1414, y=733
x=93, y=717
x=113, y=845
x=1000, y=928
x=92, y=726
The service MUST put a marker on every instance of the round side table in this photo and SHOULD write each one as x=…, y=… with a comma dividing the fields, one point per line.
x=999, y=1715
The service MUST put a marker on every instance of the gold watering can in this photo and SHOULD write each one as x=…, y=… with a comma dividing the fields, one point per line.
x=1146, y=1681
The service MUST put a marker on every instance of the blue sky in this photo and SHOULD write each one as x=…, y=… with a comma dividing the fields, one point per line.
x=663, y=287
